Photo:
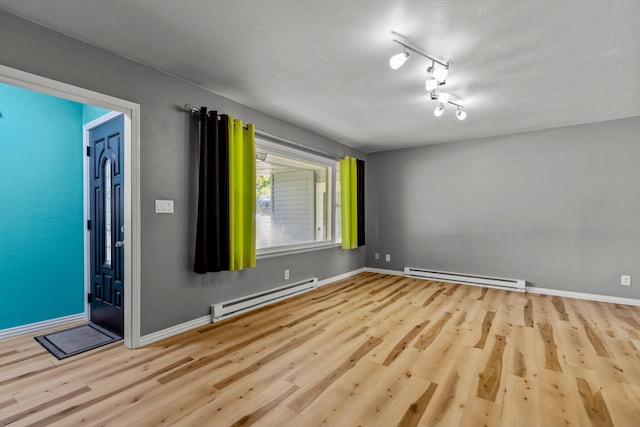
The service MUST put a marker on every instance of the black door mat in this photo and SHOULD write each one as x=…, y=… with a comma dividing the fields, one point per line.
x=79, y=339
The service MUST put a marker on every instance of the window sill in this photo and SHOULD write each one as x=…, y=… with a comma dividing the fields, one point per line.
x=290, y=250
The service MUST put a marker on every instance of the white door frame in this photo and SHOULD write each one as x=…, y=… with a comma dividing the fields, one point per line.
x=131, y=112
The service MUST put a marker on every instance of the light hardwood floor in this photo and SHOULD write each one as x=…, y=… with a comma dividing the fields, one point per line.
x=371, y=350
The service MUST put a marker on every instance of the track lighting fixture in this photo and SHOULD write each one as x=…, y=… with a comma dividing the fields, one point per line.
x=398, y=60
x=438, y=72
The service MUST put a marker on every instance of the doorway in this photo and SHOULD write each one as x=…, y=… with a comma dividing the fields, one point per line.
x=130, y=113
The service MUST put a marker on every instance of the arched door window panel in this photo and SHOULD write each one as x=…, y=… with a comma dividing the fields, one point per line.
x=108, y=235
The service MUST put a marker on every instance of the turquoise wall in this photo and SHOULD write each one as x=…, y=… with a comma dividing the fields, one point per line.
x=89, y=113
x=41, y=215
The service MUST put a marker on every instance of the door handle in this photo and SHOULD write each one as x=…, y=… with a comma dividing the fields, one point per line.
x=119, y=243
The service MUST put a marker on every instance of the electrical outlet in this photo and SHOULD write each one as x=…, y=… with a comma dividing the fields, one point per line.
x=387, y=257
x=377, y=255
x=625, y=280
x=286, y=275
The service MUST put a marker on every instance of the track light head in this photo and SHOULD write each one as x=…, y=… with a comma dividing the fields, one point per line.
x=440, y=74
x=431, y=84
x=460, y=114
x=439, y=111
x=398, y=60
x=443, y=97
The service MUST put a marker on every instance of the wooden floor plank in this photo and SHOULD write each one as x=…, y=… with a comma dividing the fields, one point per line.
x=272, y=356
x=432, y=333
x=551, y=360
x=520, y=403
x=371, y=349
x=444, y=402
x=369, y=395
x=491, y=375
x=621, y=402
x=308, y=396
x=558, y=304
x=240, y=401
x=559, y=399
x=486, y=327
x=594, y=404
x=415, y=411
x=528, y=313
x=404, y=343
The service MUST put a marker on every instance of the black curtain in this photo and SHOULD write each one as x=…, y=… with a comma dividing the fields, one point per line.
x=360, y=200
x=212, y=235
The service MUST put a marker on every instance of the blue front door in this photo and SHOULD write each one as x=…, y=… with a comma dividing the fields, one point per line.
x=106, y=181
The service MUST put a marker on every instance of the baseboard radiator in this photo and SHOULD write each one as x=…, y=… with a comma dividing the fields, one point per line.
x=241, y=305
x=466, y=279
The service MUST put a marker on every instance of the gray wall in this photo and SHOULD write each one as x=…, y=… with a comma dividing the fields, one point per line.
x=171, y=293
x=559, y=208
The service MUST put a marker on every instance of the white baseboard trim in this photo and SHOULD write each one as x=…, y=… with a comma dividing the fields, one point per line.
x=330, y=280
x=581, y=295
x=174, y=330
x=38, y=326
x=384, y=271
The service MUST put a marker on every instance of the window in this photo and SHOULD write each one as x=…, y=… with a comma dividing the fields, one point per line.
x=295, y=199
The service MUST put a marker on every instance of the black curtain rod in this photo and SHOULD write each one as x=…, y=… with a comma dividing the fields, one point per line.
x=276, y=139
x=193, y=110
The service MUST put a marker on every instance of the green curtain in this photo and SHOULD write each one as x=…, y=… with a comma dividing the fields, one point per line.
x=242, y=195
x=349, y=192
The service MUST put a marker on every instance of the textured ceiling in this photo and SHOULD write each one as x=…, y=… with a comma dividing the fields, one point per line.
x=323, y=65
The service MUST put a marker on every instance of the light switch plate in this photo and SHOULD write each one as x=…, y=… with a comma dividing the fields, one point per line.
x=164, y=206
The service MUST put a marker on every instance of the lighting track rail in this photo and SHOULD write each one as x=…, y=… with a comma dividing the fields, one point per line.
x=419, y=52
